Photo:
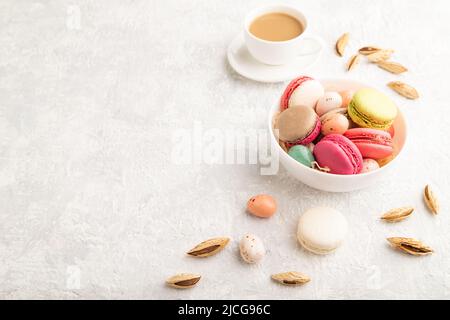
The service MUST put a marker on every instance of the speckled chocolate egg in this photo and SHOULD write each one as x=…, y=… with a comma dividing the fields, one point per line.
x=336, y=123
x=330, y=100
x=252, y=248
x=391, y=131
x=262, y=205
x=347, y=96
x=369, y=165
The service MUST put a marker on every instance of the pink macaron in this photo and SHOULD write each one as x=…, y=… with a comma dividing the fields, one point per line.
x=339, y=155
x=372, y=143
x=304, y=91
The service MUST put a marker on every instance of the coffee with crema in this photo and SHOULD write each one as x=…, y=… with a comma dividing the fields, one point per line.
x=276, y=26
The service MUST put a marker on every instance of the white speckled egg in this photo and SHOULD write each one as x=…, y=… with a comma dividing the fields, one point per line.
x=252, y=248
x=369, y=165
x=331, y=100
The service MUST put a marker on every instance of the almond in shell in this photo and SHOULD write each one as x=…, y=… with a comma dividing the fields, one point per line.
x=353, y=62
x=341, y=44
x=397, y=214
x=380, y=55
x=183, y=280
x=368, y=50
x=404, y=89
x=410, y=246
x=392, y=67
x=431, y=200
x=291, y=278
x=209, y=247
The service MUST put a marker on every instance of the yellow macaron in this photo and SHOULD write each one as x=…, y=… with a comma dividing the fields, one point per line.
x=370, y=108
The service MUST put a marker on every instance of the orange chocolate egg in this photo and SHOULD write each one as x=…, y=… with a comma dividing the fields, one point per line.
x=347, y=96
x=262, y=205
x=391, y=130
x=337, y=123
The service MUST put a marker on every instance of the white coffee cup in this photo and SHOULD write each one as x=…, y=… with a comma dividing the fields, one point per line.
x=280, y=52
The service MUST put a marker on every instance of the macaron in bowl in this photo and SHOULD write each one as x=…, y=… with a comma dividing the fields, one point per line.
x=335, y=182
x=372, y=143
x=297, y=125
x=370, y=108
x=304, y=91
x=339, y=155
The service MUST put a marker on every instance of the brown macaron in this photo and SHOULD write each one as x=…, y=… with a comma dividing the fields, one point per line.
x=298, y=125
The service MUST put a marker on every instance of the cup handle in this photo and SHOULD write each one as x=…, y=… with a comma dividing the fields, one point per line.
x=317, y=46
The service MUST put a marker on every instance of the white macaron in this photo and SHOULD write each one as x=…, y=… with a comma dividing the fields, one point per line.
x=321, y=230
x=307, y=94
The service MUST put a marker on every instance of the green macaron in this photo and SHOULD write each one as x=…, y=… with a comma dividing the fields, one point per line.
x=302, y=154
x=370, y=108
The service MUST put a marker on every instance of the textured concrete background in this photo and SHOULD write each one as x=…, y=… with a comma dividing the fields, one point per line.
x=92, y=204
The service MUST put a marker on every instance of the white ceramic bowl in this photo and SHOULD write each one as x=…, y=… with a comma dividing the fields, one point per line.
x=333, y=182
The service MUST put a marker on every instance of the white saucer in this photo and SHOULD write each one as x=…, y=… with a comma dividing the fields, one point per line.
x=244, y=64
